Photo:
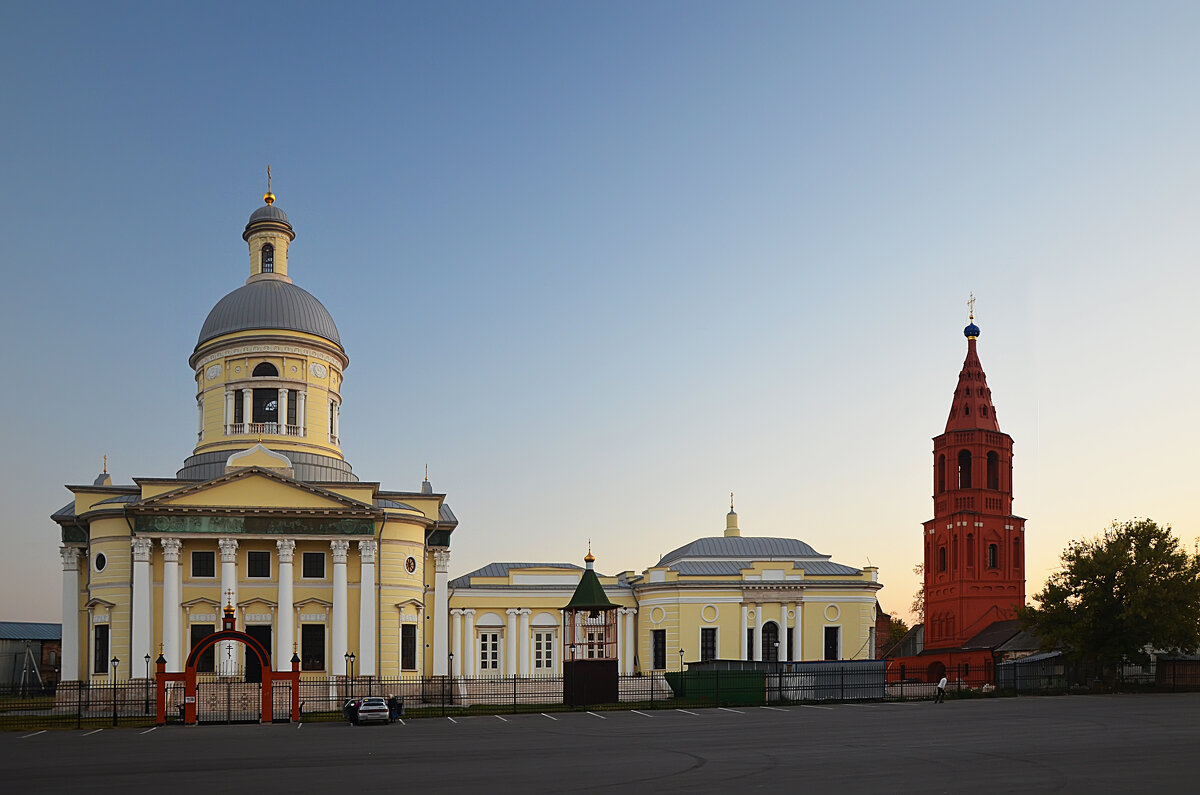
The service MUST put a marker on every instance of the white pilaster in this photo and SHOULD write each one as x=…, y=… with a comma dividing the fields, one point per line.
x=783, y=650
x=745, y=628
x=366, y=607
x=798, y=634
x=285, y=617
x=456, y=641
x=338, y=650
x=247, y=408
x=524, y=638
x=282, y=413
x=69, y=663
x=620, y=640
x=510, y=642
x=172, y=647
x=139, y=635
x=756, y=652
x=441, y=611
x=469, y=634
x=228, y=409
x=630, y=638
x=229, y=595
x=200, y=418
x=301, y=401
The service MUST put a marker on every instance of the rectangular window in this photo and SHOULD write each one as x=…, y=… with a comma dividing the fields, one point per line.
x=791, y=634
x=313, y=565
x=833, y=643
x=312, y=647
x=658, y=641
x=258, y=564
x=993, y=557
x=489, y=651
x=205, y=663
x=749, y=644
x=291, y=415
x=595, y=644
x=238, y=409
x=408, y=647
x=204, y=564
x=543, y=651
x=708, y=644
x=100, y=633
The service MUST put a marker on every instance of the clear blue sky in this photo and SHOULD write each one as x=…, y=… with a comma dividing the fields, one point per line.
x=600, y=264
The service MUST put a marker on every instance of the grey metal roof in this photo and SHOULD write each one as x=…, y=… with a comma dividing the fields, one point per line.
x=268, y=212
x=28, y=630
x=120, y=498
x=65, y=512
x=446, y=516
x=742, y=548
x=382, y=503
x=502, y=570
x=733, y=568
x=1032, y=658
x=269, y=304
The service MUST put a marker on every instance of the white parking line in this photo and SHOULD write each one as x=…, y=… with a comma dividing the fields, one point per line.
x=643, y=714
x=594, y=715
x=551, y=717
x=727, y=709
x=503, y=719
x=685, y=712
x=299, y=725
x=35, y=734
x=401, y=720
x=810, y=706
x=152, y=728
x=775, y=709
x=452, y=720
x=89, y=734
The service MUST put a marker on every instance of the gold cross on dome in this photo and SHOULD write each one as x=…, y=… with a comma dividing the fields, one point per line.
x=268, y=177
x=229, y=596
x=971, y=305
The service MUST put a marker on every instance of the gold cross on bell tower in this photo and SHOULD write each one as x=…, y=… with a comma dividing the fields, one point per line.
x=269, y=197
x=971, y=306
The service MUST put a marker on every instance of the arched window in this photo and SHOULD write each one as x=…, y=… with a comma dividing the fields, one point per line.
x=268, y=258
x=970, y=550
x=966, y=411
x=993, y=556
x=1016, y=553
x=964, y=469
x=941, y=558
x=993, y=470
x=265, y=369
x=954, y=552
x=941, y=474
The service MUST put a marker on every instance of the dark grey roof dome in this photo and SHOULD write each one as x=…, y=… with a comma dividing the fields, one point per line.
x=744, y=548
x=268, y=212
x=269, y=304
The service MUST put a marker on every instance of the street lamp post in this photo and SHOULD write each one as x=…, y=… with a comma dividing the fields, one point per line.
x=146, y=689
x=680, y=659
x=114, y=662
x=778, y=674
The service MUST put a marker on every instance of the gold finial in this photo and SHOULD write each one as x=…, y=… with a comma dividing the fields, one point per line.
x=160, y=649
x=731, y=502
x=228, y=601
x=295, y=648
x=269, y=197
x=427, y=473
x=971, y=306
x=106, y=464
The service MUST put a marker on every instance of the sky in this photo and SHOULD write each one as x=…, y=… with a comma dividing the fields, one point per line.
x=600, y=264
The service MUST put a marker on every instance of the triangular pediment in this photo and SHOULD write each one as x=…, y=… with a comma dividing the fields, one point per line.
x=254, y=488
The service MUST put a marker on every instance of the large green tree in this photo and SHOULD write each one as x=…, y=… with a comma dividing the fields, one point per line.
x=1130, y=589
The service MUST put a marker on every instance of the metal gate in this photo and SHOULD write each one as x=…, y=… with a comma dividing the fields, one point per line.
x=228, y=700
x=281, y=702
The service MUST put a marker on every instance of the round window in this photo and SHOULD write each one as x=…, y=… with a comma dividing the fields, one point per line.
x=410, y=565
x=101, y=561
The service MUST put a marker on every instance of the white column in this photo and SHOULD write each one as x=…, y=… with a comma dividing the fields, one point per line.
x=756, y=652
x=69, y=662
x=630, y=638
x=798, y=633
x=340, y=547
x=525, y=640
x=247, y=409
x=200, y=418
x=510, y=642
x=620, y=640
x=301, y=400
x=366, y=607
x=139, y=635
x=470, y=650
x=285, y=617
x=745, y=628
x=441, y=611
x=229, y=588
x=282, y=413
x=456, y=641
x=170, y=605
x=228, y=409
x=783, y=652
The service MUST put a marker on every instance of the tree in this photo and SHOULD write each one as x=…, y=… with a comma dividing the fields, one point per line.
x=1130, y=589
x=918, y=602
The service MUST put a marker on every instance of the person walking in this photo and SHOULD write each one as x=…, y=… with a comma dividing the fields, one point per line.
x=940, y=698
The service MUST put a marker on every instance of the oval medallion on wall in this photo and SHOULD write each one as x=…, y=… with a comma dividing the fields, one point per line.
x=317, y=369
x=213, y=372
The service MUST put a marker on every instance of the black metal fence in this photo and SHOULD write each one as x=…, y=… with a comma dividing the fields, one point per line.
x=80, y=705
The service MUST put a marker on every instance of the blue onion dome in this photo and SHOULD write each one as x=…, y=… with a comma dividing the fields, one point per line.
x=971, y=332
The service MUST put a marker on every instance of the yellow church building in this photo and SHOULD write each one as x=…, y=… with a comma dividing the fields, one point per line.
x=267, y=516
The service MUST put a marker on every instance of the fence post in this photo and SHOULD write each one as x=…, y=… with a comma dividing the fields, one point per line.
x=842, y=682
x=514, y=694
x=114, y=700
x=443, y=689
x=717, y=688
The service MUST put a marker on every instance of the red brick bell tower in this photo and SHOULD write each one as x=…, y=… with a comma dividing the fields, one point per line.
x=974, y=545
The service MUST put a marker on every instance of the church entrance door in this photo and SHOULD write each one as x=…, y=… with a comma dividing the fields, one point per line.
x=262, y=634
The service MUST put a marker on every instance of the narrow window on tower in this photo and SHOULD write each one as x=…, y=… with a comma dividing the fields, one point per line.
x=1016, y=553
x=291, y=412
x=658, y=647
x=941, y=558
x=941, y=474
x=993, y=556
x=993, y=471
x=408, y=647
x=964, y=469
x=954, y=552
x=268, y=258
x=970, y=551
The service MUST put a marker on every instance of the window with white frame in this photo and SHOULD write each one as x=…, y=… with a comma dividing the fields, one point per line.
x=708, y=643
x=489, y=651
x=543, y=651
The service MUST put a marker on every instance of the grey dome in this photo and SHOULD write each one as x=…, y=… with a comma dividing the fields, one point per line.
x=268, y=212
x=269, y=304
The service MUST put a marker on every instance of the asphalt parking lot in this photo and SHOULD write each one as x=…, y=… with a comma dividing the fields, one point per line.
x=1123, y=743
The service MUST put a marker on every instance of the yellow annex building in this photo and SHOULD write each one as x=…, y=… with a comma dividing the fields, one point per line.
x=266, y=515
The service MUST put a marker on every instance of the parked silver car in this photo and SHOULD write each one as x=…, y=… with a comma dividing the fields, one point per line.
x=373, y=709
